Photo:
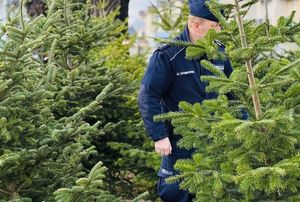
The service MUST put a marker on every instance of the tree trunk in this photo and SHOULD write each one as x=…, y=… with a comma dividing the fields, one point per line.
x=250, y=72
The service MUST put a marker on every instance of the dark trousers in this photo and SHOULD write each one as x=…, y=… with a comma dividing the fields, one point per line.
x=172, y=192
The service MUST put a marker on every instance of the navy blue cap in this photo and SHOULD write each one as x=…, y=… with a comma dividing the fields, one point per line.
x=198, y=8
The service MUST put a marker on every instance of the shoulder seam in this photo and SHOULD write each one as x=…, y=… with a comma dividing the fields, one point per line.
x=177, y=54
x=163, y=47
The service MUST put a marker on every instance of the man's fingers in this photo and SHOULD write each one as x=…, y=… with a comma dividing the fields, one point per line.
x=158, y=150
x=163, y=152
x=166, y=152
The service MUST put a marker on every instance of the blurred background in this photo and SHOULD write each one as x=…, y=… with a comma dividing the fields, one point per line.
x=144, y=21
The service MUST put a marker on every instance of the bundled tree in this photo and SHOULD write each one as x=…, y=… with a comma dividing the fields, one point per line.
x=60, y=106
x=235, y=159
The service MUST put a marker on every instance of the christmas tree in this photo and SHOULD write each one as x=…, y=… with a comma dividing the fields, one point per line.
x=256, y=159
x=63, y=104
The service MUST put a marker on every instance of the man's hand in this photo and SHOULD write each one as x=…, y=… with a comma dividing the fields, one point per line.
x=163, y=147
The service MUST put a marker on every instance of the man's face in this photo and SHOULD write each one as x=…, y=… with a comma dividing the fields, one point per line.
x=208, y=24
x=204, y=26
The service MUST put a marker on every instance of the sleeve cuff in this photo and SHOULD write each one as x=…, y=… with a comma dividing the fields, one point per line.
x=159, y=138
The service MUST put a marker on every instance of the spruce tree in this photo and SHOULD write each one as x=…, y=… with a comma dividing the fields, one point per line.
x=256, y=159
x=87, y=189
x=60, y=106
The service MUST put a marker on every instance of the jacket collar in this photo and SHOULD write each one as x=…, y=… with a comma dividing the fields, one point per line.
x=184, y=36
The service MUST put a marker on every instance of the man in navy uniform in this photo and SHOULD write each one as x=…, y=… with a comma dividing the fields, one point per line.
x=169, y=79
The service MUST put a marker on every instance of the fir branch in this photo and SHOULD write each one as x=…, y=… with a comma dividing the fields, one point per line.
x=266, y=40
x=171, y=115
x=217, y=79
x=211, y=67
x=249, y=3
x=92, y=106
x=275, y=84
x=193, y=53
x=248, y=6
x=51, y=6
x=290, y=18
x=90, y=185
x=292, y=91
x=140, y=197
x=262, y=65
x=179, y=43
x=164, y=20
x=285, y=68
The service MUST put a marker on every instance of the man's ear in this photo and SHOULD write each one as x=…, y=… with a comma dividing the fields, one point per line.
x=196, y=25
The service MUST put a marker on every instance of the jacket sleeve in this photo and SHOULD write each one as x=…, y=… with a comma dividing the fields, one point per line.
x=227, y=68
x=154, y=86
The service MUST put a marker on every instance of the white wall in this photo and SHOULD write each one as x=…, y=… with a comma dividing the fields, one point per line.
x=4, y=6
x=276, y=8
x=2, y=10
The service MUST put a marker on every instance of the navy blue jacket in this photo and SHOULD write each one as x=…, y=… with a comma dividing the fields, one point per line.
x=169, y=79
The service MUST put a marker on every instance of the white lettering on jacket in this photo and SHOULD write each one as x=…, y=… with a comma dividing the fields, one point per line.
x=164, y=171
x=220, y=67
x=185, y=73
